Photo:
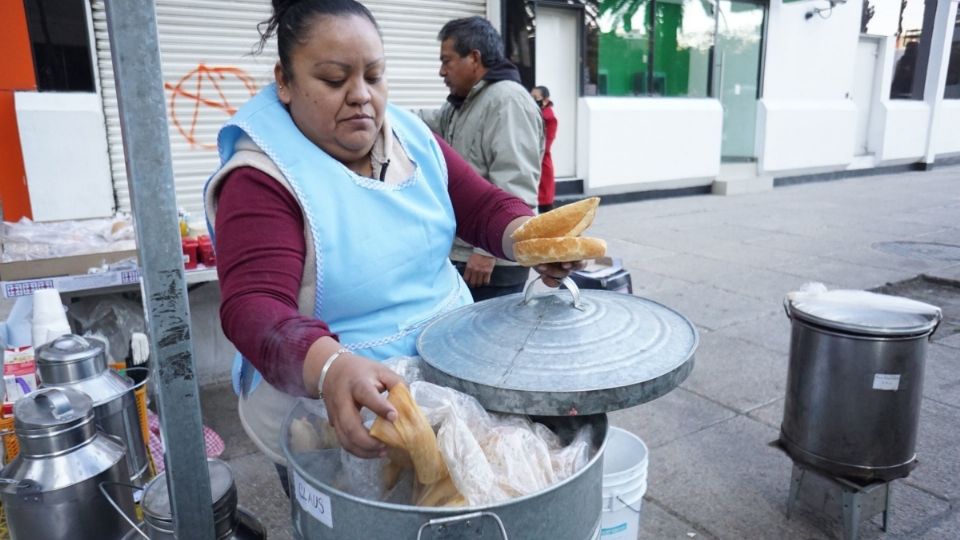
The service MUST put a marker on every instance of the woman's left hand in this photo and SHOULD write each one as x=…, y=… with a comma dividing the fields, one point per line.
x=553, y=273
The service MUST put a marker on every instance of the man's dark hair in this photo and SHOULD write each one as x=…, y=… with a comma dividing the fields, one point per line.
x=474, y=33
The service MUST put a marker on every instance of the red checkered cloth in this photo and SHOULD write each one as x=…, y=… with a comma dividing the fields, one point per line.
x=213, y=443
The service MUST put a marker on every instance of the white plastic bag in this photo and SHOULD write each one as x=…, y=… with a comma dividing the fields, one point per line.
x=27, y=240
x=496, y=457
x=491, y=457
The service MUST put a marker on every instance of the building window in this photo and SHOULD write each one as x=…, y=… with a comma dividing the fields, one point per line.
x=671, y=48
x=952, y=89
x=519, y=38
x=61, y=45
x=912, y=25
x=623, y=48
x=683, y=38
x=651, y=47
x=907, y=71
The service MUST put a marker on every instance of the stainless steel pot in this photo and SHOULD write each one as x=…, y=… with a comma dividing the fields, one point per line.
x=230, y=522
x=855, y=383
x=51, y=490
x=75, y=362
x=248, y=528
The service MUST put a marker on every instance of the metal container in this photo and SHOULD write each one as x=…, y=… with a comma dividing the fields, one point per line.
x=78, y=363
x=51, y=490
x=855, y=382
x=568, y=362
x=230, y=522
x=568, y=510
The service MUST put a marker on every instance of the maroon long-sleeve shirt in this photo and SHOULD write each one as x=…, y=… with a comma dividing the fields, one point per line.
x=260, y=258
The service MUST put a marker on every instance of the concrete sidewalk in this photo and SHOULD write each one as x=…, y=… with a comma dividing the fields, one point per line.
x=726, y=262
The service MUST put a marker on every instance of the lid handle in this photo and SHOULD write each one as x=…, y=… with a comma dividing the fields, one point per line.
x=443, y=522
x=56, y=401
x=70, y=342
x=567, y=282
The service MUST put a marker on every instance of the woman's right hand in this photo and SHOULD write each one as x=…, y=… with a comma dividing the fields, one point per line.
x=353, y=382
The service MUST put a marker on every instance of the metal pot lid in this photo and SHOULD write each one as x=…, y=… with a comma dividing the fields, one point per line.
x=70, y=358
x=156, y=497
x=862, y=312
x=560, y=353
x=52, y=409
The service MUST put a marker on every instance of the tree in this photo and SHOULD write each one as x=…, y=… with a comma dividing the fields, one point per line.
x=903, y=7
x=867, y=14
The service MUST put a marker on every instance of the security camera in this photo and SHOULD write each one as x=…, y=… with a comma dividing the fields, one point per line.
x=820, y=11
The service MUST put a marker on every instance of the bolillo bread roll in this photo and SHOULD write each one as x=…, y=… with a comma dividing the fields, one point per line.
x=568, y=220
x=564, y=249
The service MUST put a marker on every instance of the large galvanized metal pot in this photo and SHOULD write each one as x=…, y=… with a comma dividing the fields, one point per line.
x=563, y=358
x=854, y=389
x=52, y=489
x=568, y=510
x=75, y=362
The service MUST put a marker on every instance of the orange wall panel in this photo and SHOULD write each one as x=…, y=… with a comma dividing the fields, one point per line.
x=13, y=177
x=17, y=72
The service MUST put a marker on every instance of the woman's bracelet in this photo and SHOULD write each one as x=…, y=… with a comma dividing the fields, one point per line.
x=326, y=368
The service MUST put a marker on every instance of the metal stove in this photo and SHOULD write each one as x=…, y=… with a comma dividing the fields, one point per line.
x=847, y=500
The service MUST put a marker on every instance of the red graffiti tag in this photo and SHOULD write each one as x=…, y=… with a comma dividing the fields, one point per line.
x=203, y=88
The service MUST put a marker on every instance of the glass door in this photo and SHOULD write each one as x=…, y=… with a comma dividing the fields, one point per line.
x=736, y=74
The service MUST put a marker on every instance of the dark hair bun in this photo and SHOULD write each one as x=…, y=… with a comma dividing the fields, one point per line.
x=280, y=6
x=291, y=21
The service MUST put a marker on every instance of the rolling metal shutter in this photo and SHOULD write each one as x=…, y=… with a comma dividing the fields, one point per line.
x=209, y=70
x=410, y=30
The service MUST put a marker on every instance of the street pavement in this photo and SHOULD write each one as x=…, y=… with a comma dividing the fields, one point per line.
x=726, y=263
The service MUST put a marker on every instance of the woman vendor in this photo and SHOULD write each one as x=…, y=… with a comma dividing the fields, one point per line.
x=333, y=214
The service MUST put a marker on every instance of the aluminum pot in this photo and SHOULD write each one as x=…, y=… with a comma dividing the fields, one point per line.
x=78, y=363
x=568, y=510
x=51, y=490
x=855, y=384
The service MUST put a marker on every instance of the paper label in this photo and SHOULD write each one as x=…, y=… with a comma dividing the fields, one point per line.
x=886, y=381
x=316, y=503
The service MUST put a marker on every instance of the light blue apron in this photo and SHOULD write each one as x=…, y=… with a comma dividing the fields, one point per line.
x=381, y=250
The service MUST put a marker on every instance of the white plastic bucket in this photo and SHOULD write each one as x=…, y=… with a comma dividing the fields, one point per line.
x=624, y=483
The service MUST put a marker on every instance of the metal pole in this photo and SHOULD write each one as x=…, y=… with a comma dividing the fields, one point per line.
x=134, y=48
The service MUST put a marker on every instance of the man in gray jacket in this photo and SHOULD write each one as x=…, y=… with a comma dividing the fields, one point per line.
x=490, y=120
